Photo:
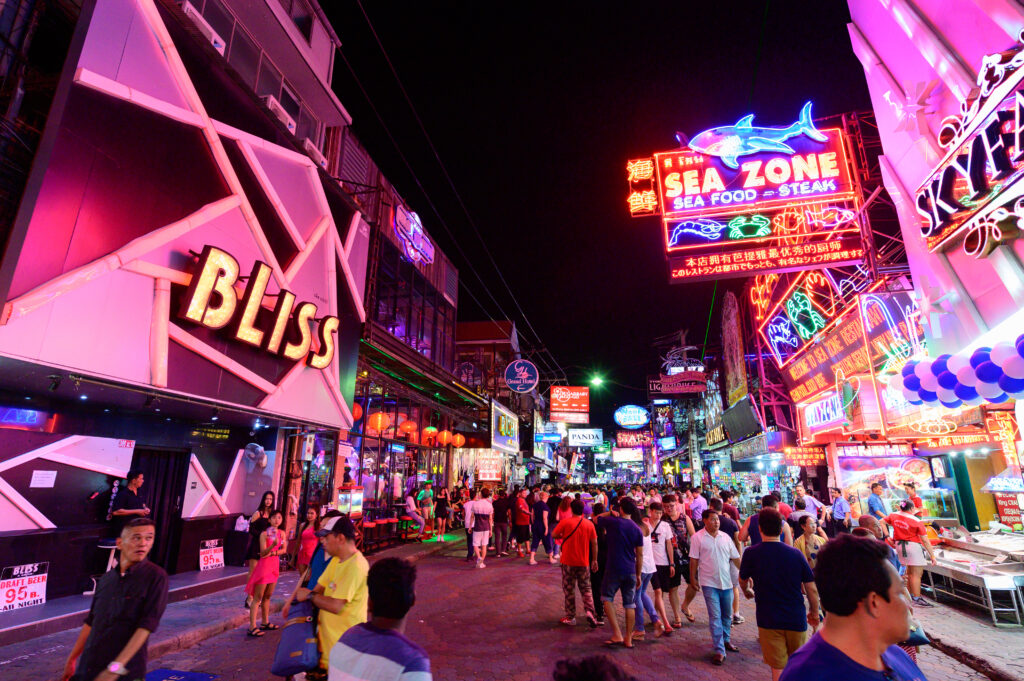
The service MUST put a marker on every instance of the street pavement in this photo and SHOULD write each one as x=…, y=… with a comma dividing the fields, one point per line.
x=501, y=624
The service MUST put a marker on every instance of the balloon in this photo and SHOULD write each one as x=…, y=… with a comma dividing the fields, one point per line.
x=947, y=380
x=939, y=365
x=980, y=356
x=912, y=382
x=1011, y=385
x=990, y=391
x=979, y=400
x=965, y=392
x=1003, y=351
x=928, y=396
x=988, y=372
x=1014, y=367
x=946, y=395
x=910, y=395
x=957, y=362
x=908, y=368
x=916, y=399
x=923, y=369
x=1020, y=345
x=966, y=376
x=930, y=382
x=952, y=405
x=999, y=399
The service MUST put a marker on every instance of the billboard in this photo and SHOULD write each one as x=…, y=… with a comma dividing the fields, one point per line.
x=633, y=438
x=569, y=417
x=681, y=383
x=570, y=399
x=504, y=429
x=627, y=454
x=667, y=443
x=631, y=416
x=521, y=376
x=732, y=350
x=585, y=437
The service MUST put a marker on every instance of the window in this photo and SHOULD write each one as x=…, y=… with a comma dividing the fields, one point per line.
x=269, y=82
x=219, y=18
x=302, y=15
x=290, y=102
x=308, y=126
x=244, y=57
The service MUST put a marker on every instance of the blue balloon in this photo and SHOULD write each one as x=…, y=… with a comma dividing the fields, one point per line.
x=988, y=372
x=928, y=396
x=947, y=380
x=965, y=392
x=980, y=356
x=998, y=399
x=908, y=368
x=1019, y=344
x=912, y=382
x=952, y=405
x=939, y=365
x=1011, y=385
x=915, y=402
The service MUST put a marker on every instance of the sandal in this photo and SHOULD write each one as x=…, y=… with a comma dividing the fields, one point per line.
x=677, y=624
x=254, y=632
x=689, y=617
x=268, y=627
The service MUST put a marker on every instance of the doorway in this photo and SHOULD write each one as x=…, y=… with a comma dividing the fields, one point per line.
x=163, y=490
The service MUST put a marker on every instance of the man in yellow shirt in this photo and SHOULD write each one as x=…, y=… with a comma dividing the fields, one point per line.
x=341, y=593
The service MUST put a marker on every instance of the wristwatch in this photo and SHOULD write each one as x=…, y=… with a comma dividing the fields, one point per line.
x=116, y=667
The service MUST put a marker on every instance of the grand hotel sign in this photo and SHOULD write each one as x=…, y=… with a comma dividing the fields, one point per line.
x=975, y=197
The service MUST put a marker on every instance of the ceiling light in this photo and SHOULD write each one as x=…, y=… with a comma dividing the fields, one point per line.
x=83, y=397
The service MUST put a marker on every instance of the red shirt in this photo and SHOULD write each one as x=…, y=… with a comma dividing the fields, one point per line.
x=785, y=509
x=576, y=551
x=731, y=511
x=905, y=528
x=522, y=512
x=918, y=505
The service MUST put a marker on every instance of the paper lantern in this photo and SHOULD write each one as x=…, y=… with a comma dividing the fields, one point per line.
x=379, y=421
x=407, y=426
x=357, y=411
x=458, y=439
x=444, y=437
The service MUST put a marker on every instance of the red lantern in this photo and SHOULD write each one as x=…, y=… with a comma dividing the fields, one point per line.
x=357, y=411
x=379, y=421
x=458, y=439
x=444, y=437
x=407, y=426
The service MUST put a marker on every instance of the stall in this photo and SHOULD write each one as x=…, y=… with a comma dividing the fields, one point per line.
x=984, y=569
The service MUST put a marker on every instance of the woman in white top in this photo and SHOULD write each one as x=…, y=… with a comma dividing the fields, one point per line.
x=643, y=600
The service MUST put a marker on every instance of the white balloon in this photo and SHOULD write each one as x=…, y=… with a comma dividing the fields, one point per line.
x=909, y=394
x=930, y=383
x=1003, y=351
x=977, y=401
x=1014, y=367
x=923, y=369
x=989, y=390
x=946, y=395
x=957, y=362
x=967, y=376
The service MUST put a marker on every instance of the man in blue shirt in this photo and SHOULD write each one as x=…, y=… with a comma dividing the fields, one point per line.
x=842, y=514
x=867, y=613
x=622, y=570
x=876, y=508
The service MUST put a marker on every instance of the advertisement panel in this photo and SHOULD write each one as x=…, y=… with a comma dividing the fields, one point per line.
x=570, y=399
x=681, y=383
x=504, y=429
x=631, y=416
x=521, y=376
x=489, y=466
x=732, y=351
x=569, y=417
x=585, y=437
x=633, y=438
x=667, y=443
x=627, y=454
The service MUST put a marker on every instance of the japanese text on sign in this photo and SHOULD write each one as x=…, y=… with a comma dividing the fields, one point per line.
x=750, y=262
x=22, y=586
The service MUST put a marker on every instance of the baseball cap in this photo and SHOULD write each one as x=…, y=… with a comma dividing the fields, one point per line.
x=337, y=525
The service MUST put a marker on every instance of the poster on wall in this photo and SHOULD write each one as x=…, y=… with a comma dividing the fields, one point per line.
x=504, y=429
x=732, y=351
x=211, y=554
x=23, y=585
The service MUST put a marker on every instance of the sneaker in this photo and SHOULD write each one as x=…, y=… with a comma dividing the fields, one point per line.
x=738, y=619
x=532, y=562
x=922, y=602
x=483, y=564
x=568, y=621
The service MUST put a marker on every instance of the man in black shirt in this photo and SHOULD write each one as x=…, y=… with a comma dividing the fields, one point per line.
x=127, y=504
x=126, y=608
x=502, y=506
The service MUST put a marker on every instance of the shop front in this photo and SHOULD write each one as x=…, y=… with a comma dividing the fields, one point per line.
x=167, y=317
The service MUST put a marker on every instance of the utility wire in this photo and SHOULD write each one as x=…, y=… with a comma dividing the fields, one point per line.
x=451, y=183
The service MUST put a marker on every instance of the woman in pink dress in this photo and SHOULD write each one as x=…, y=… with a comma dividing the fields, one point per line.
x=307, y=539
x=264, y=576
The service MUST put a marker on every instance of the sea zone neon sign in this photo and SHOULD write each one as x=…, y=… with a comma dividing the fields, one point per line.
x=213, y=302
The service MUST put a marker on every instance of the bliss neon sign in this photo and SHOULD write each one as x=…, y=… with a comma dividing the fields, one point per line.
x=212, y=301
x=415, y=244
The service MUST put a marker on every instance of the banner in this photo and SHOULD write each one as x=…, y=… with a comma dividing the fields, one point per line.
x=585, y=437
x=732, y=351
x=626, y=455
x=682, y=383
x=211, y=554
x=569, y=417
x=22, y=586
x=570, y=399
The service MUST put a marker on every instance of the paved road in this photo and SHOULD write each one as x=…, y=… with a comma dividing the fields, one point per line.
x=501, y=623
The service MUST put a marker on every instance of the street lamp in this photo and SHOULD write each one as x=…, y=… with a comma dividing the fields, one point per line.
x=596, y=381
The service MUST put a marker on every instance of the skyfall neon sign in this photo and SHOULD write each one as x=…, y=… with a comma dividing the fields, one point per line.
x=415, y=243
x=212, y=301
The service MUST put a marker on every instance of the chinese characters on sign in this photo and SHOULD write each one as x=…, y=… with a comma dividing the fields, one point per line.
x=846, y=248
x=803, y=456
x=643, y=199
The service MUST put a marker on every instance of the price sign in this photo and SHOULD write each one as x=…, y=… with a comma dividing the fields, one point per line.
x=211, y=555
x=22, y=586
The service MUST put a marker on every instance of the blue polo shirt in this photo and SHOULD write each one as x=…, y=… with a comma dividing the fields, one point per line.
x=875, y=506
x=840, y=507
x=818, y=660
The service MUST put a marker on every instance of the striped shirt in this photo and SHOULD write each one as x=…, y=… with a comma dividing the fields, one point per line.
x=366, y=653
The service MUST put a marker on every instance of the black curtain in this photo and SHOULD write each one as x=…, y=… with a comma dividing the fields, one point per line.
x=163, y=490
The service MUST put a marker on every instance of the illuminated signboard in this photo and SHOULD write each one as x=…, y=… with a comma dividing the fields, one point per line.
x=568, y=399
x=22, y=418
x=504, y=429
x=415, y=243
x=879, y=450
x=631, y=416
x=212, y=301
x=585, y=437
x=975, y=195
x=824, y=412
x=626, y=455
x=633, y=438
x=489, y=466
x=803, y=456
x=521, y=376
x=551, y=438
x=680, y=383
x=715, y=435
x=569, y=417
x=667, y=443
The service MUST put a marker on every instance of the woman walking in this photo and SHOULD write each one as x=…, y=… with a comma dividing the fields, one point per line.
x=259, y=522
x=911, y=546
x=264, y=576
x=307, y=539
x=441, y=512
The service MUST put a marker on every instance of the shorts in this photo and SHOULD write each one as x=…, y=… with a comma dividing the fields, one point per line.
x=521, y=533
x=778, y=644
x=910, y=553
x=427, y=511
x=624, y=583
x=735, y=572
x=481, y=538
x=662, y=580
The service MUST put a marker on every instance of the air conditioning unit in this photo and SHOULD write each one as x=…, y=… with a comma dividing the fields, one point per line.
x=192, y=13
x=314, y=153
x=275, y=108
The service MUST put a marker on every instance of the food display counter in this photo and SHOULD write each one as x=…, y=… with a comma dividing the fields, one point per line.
x=983, y=569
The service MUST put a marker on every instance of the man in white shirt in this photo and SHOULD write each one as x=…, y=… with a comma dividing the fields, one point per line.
x=711, y=553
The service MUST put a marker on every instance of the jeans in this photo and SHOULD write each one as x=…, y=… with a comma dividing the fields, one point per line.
x=501, y=534
x=573, y=576
x=643, y=602
x=469, y=543
x=719, y=605
x=595, y=587
x=418, y=519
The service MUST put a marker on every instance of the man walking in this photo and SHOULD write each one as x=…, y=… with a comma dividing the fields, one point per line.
x=810, y=503
x=711, y=554
x=622, y=569
x=502, y=507
x=778, y=572
x=378, y=650
x=698, y=504
x=579, y=557
x=542, y=522
x=750, y=527
x=481, y=519
x=467, y=521
x=521, y=523
x=126, y=609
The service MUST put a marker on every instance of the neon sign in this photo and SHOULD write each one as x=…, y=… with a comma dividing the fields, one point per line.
x=415, y=244
x=212, y=301
x=631, y=416
x=824, y=412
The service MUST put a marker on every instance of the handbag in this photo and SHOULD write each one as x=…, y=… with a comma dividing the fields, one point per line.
x=297, y=651
x=917, y=636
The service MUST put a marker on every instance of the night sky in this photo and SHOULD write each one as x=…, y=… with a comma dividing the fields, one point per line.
x=534, y=110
